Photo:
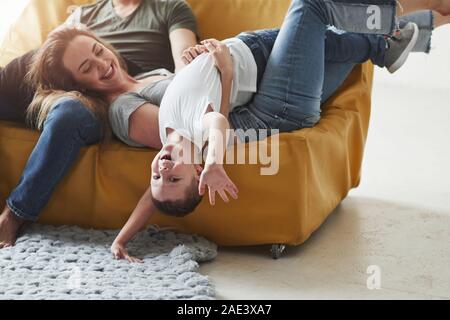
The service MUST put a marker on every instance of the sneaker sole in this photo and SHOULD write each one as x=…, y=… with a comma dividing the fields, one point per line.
x=402, y=59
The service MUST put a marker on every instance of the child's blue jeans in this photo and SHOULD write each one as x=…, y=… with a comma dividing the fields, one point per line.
x=302, y=64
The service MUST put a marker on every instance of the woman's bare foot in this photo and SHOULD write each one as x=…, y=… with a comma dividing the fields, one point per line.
x=10, y=225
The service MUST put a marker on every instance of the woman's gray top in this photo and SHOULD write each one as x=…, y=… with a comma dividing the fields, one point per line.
x=126, y=104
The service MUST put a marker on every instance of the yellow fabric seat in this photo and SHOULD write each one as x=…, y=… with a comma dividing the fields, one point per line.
x=317, y=167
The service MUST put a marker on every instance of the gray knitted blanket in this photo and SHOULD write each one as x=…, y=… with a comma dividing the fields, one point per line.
x=72, y=263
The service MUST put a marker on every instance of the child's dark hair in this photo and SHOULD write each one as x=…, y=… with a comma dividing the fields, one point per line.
x=183, y=207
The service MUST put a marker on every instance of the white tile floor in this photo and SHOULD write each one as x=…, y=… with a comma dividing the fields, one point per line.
x=398, y=219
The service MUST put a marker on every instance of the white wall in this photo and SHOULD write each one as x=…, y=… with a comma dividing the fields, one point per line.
x=9, y=11
x=431, y=71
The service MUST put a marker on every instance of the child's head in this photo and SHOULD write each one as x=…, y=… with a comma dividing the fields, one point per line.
x=174, y=182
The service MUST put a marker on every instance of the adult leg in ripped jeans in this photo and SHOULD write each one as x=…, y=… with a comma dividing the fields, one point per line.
x=69, y=127
x=292, y=85
x=342, y=51
x=337, y=72
x=427, y=21
x=350, y=53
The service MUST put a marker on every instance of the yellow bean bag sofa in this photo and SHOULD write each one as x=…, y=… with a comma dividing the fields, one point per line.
x=317, y=166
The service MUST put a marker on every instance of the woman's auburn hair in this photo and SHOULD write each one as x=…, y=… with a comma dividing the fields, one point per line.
x=53, y=81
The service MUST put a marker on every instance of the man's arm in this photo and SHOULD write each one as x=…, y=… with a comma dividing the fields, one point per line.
x=180, y=40
x=138, y=219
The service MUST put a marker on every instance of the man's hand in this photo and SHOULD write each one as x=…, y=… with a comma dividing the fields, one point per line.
x=119, y=252
x=216, y=179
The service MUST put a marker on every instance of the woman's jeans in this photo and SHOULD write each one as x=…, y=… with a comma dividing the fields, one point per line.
x=304, y=63
x=69, y=127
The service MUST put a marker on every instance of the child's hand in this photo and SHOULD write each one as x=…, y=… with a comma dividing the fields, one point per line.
x=119, y=252
x=217, y=180
x=192, y=53
x=221, y=54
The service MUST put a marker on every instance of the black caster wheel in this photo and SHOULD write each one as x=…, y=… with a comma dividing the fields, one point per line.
x=277, y=250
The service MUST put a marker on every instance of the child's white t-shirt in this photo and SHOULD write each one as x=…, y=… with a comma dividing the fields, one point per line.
x=198, y=86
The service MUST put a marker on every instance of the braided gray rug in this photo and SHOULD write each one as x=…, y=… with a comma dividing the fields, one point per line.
x=70, y=263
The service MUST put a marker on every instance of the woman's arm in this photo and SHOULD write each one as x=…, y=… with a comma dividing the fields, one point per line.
x=143, y=126
x=138, y=219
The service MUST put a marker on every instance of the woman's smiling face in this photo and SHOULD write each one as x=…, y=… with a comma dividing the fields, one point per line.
x=93, y=66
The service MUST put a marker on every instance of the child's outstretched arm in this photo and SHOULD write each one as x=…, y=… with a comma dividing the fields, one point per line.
x=214, y=176
x=138, y=219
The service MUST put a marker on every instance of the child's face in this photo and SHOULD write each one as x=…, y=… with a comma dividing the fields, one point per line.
x=172, y=174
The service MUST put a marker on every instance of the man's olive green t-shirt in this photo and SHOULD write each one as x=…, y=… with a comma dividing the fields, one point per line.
x=142, y=38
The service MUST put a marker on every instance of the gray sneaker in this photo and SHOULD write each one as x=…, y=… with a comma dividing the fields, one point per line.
x=400, y=46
